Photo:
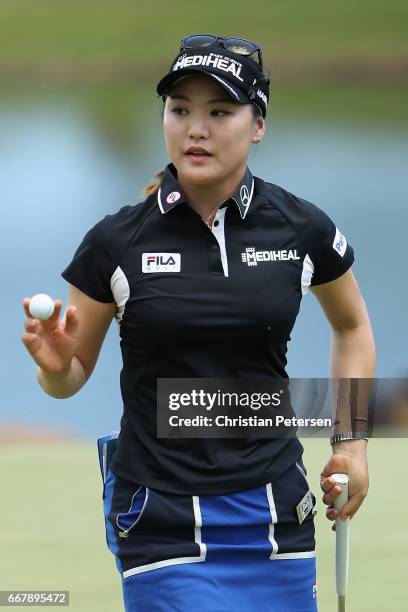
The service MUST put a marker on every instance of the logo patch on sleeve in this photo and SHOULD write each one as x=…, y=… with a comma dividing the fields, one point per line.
x=161, y=262
x=339, y=243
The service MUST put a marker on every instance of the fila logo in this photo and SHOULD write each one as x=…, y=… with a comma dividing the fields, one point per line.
x=226, y=64
x=339, y=243
x=161, y=262
x=251, y=257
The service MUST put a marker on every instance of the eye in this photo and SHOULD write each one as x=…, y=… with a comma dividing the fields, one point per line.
x=219, y=113
x=178, y=110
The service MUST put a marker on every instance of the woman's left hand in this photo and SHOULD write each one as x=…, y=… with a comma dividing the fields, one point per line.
x=349, y=457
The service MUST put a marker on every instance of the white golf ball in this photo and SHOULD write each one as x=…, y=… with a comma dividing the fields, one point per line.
x=41, y=306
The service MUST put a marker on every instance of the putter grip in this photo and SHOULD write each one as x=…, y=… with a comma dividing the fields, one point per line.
x=342, y=537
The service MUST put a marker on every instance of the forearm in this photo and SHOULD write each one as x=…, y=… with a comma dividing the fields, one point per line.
x=353, y=353
x=350, y=447
x=64, y=384
x=353, y=368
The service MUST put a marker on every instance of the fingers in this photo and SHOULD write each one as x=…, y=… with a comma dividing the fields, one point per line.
x=332, y=513
x=71, y=320
x=52, y=319
x=57, y=310
x=32, y=342
x=33, y=326
x=348, y=510
x=331, y=492
x=36, y=326
x=326, y=483
x=29, y=340
x=351, y=507
x=26, y=303
x=34, y=334
x=330, y=489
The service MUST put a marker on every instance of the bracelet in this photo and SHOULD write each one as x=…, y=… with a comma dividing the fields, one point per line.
x=349, y=435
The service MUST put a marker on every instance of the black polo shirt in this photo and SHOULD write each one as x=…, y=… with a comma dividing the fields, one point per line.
x=195, y=302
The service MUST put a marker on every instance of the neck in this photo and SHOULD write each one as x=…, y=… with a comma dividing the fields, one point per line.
x=205, y=198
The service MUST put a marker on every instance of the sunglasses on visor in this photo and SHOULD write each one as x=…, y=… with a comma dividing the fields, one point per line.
x=240, y=46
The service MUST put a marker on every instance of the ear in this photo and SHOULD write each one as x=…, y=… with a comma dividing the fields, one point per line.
x=259, y=129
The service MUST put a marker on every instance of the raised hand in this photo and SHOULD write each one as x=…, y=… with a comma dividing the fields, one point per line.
x=51, y=342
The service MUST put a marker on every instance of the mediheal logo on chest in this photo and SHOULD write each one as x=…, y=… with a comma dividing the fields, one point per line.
x=161, y=262
x=252, y=257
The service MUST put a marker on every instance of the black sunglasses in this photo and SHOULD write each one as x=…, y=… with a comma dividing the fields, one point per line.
x=241, y=46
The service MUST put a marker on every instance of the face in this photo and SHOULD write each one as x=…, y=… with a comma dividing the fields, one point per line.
x=200, y=117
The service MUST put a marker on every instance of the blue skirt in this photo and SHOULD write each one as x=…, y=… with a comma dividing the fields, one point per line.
x=241, y=551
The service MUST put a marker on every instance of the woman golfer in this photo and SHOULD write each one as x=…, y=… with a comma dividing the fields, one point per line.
x=205, y=279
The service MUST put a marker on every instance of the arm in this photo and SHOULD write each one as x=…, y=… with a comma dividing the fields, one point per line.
x=353, y=348
x=67, y=350
x=352, y=351
x=352, y=356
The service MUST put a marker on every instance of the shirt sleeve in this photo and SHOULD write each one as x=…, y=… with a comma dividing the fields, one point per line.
x=93, y=264
x=328, y=248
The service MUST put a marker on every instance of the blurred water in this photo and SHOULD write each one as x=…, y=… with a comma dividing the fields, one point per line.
x=59, y=175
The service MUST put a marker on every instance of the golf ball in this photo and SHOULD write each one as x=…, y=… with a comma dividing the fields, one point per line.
x=41, y=306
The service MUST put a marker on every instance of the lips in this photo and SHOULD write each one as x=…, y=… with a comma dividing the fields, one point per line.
x=198, y=152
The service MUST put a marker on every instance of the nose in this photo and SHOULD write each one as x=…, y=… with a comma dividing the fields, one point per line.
x=198, y=127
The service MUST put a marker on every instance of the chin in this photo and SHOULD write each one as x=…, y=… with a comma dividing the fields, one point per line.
x=200, y=175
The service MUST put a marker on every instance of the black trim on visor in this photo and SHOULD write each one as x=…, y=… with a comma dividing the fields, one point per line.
x=235, y=93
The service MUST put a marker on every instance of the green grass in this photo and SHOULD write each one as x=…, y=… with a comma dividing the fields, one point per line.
x=149, y=31
x=52, y=530
x=378, y=536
